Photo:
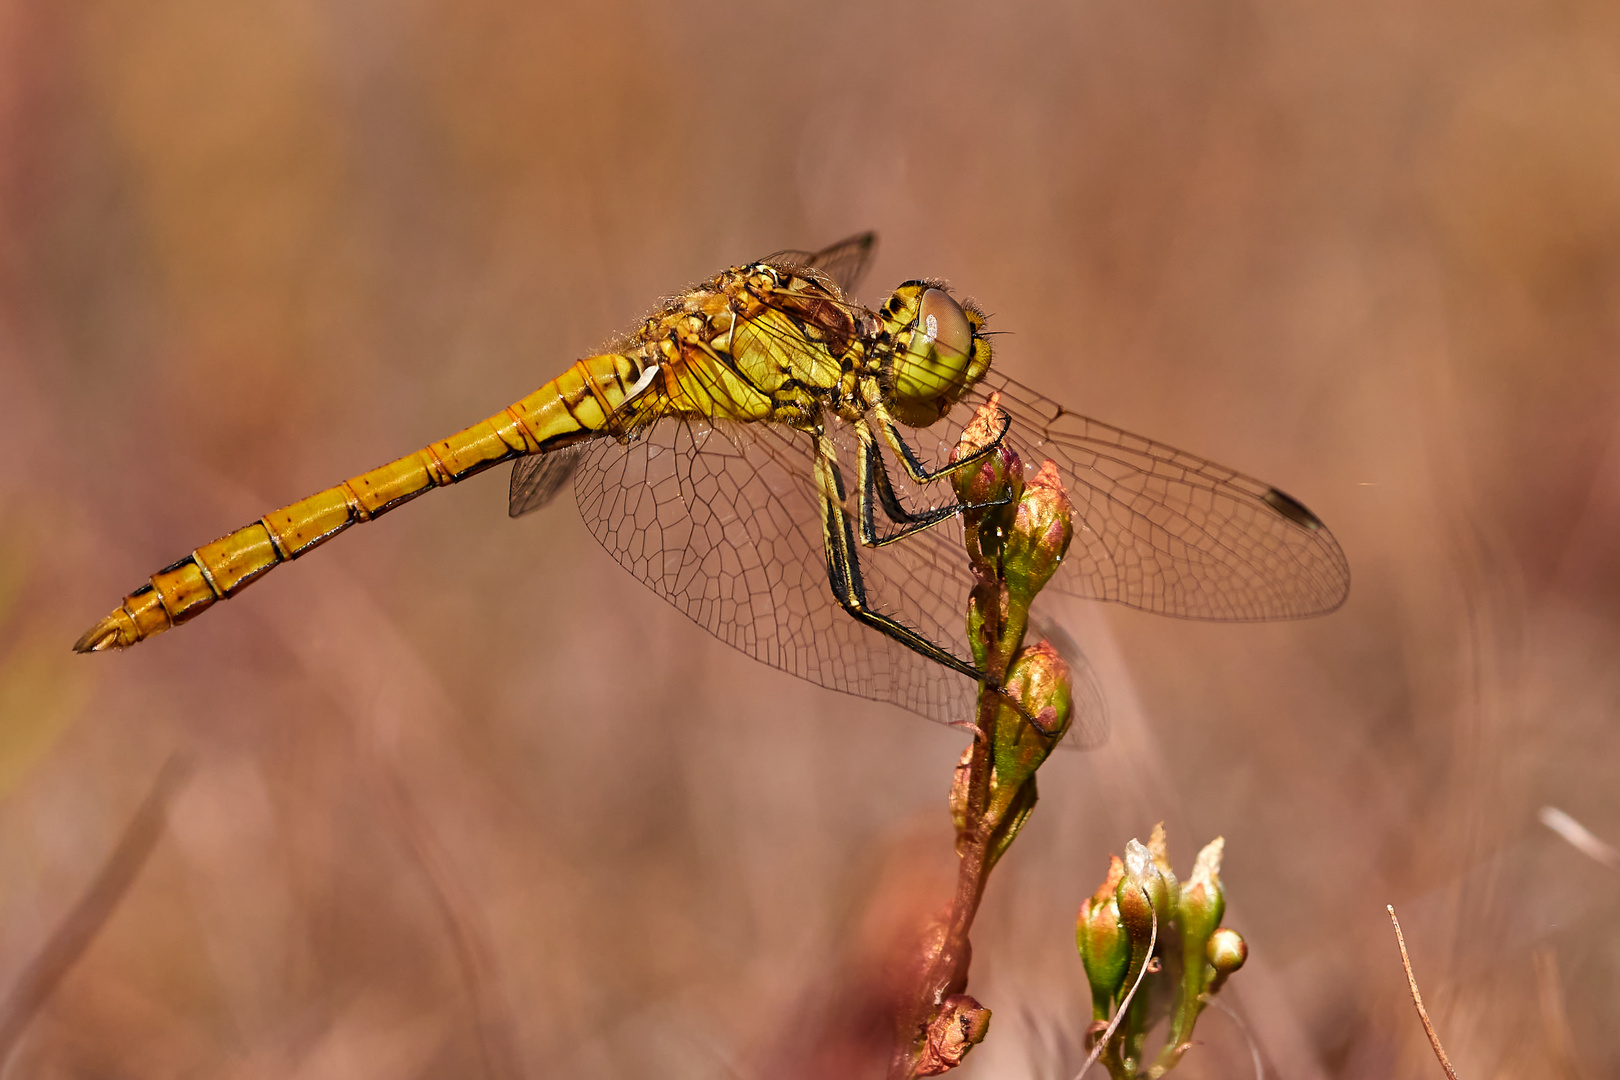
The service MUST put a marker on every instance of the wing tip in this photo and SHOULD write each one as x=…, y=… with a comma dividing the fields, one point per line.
x=1292, y=509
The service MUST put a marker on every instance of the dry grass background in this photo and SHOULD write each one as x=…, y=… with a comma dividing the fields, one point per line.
x=467, y=800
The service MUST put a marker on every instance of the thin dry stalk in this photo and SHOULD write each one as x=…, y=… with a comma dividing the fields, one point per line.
x=1248, y=1037
x=1554, y=1019
x=1417, y=999
x=80, y=926
x=474, y=956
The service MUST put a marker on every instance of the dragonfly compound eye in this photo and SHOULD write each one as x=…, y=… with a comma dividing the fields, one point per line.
x=941, y=360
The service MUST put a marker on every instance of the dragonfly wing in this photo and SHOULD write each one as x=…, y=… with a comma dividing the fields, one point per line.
x=1088, y=719
x=845, y=262
x=1166, y=531
x=724, y=522
x=538, y=478
x=939, y=551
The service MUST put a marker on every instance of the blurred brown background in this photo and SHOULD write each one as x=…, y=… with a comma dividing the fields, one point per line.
x=466, y=800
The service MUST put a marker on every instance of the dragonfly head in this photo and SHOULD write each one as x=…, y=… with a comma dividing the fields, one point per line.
x=939, y=351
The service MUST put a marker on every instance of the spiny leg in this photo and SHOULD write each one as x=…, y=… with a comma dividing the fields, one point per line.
x=875, y=483
x=913, y=464
x=844, y=568
x=876, y=488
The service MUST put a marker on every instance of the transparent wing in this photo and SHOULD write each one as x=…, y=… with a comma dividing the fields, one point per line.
x=1158, y=528
x=726, y=526
x=1088, y=722
x=845, y=262
x=1163, y=530
x=724, y=522
x=935, y=559
x=538, y=478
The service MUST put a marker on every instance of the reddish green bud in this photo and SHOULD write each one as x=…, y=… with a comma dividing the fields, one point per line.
x=1009, y=818
x=1143, y=898
x=1039, y=680
x=1144, y=905
x=1198, y=912
x=989, y=477
x=987, y=612
x=1007, y=806
x=1105, y=951
x=1203, y=902
x=1041, y=531
x=1227, y=951
x=1144, y=909
x=997, y=477
x=1161, y=858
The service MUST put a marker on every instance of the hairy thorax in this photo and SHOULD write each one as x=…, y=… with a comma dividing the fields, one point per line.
x=760, y=343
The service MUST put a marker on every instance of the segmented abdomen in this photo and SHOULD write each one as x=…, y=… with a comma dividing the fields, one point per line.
x=574, y=406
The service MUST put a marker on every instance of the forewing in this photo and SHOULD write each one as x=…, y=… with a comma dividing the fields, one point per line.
x=845, y=262
x=724, y=523
x=1166, y=531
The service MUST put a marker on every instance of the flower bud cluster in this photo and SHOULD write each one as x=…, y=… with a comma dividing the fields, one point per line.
x=1015, y=536
x=1143, y=926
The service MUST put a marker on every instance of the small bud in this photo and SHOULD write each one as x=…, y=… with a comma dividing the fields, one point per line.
x=960, y=1024
x=1041, y=531
x=1009, y=817
x=1161, y=858
x=1143, y=898
x=1040, y=682
x=987, y=609
x=986, y=479
x=997, y=477
x=1144, y=907
x=1100, y=936
x=1227, y=951
x=1008, y=805
x=1198, y=913
x=1203, y=901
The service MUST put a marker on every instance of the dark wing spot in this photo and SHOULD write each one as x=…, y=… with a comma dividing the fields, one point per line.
x=1292, y=509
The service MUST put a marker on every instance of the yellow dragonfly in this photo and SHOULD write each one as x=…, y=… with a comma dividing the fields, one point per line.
x=764, y=453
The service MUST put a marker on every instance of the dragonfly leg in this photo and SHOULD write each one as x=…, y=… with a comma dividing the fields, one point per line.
x=844, y=572
x=913, y=464
x=877, y=489
x=844, y=569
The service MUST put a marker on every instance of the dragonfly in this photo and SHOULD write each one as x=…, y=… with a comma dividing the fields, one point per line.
x=769, y=456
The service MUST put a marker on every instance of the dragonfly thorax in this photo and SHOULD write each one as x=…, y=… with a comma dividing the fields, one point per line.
x=782, y=344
